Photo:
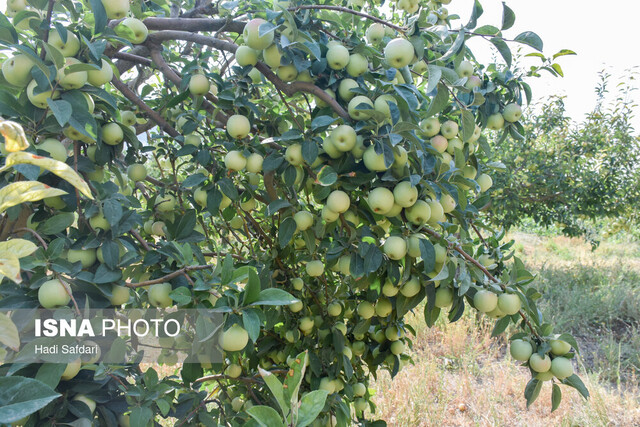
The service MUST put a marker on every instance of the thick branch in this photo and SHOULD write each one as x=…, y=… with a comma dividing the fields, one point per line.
x=131, y=58
x=207, y=9
x=194, y=24
x=351, y=11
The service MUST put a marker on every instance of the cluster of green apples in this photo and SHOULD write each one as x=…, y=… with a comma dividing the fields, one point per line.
x=545, y=365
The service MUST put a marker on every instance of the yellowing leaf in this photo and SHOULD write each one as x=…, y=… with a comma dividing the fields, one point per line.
x=9, y=333
x=63, y=170
x=10, y=267
x=19, y=248
x=14, y=137
x=25, y=191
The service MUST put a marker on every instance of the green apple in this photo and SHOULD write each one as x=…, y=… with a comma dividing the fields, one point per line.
x=246, y=56
x=485, y=301
x=87, y=257
x=200, y=196
x=238, y=126
x=440, y=143
x=512, y=112
x=252, y=36
x=405, y=194
x=128, y=118
x=17, y=70
x=397, y=347
x=430, y=127
x=559, y=348
x=272, y=56
x=287, y=73
x=255, y=75
x=521, y=350
x=157, y=228
x=297, y=283
x=400, y=157
x=344, y=89
x=306, y=324
x=199, y=85
x=54, y=148
x=296, y=306
x=509, y=303
x=357, y=111
x=454, y=144
x=374, y=161
x=449, y=129
x=441, y=253
x=249, y=204
x=448, y=203
x=112, y=134
x=380, y=200
x=235, y=338
x=328, y=215
x=119, y=295
x=330, y=148
x=469, y=172
x=304, y=220
x=315, y=268
x=334, y=309
x=389, y=289
x=444, y=297
x=233, y=371
x=473, y=82
x=394, y=211
x=357, y=65
x=561, y=367
x=254, y=163
x=496, y=314
x=116, y=9
x=293, y=154
x=71, y=370
x=53, y=293
x=437, y=213
x=84, y=399
x=137, y=33
x=539, y=364
x=40, y=100
x=159, y=295
x=166, y=203
x=344, y=138
x=99, y=222
x=15, y=6
x=55, y=202
x=399, y=52
x=395, y=247
x=73, y=80
x=495, y=121
x=464, y=69
x=365, y=310
x=411, y=287
x=338, y=201
x=99, y=77
x=68, y=48
x=235, y=160
x=413, y=244
x=337, y=57
x=136, y=172
x=485, y=182
x=359, y=149
x=382, y=105
x=419, y=213
x=420, y=67
x=375, y=33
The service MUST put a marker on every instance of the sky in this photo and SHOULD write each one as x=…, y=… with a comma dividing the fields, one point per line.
x=604, y=36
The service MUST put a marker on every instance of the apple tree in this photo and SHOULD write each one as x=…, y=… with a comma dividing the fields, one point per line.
x=314, y=172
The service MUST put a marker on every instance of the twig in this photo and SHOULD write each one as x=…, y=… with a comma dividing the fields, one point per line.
x=479, y=235
x=35, y=234
x=45, y=37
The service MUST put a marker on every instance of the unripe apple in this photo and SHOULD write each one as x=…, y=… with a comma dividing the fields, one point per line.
x=360, y=114
x=236, y=223
x=112, y=134
x=166, y=203
x=448, y=203
x=119, y=295
x=246, y=56
x=405, y=194
x=444, y=297
x=365, y=310
x=296, y=306
x=13, y=7
x=454, y=144
x=303, y=219
x=384, y=308
x=449, y=129
x=495, y=121
x=337, y=57
x=249, y=204
x=400, y=157
x=128, y=118
x=357, y=65
x=485, y=182
x=509, y=303
x=84, y=399
x=473, y=82
x=293, y=155
x=395, y=247
x=328, y=215
x=116, y=9
x=561, y=367
x=272, y=56
x=254, y=163
x=315, y=268
x=159, y=295
x=559, y=348
x=344, y=89
x=373, y=161
x=330, y=148
x=496, y=314
x=382, y=105
x=334, y=309
x=539, y=364
x=255, y=75
x=338, y=201
x=420, y=67
x=233, y=371
x=54, y=148
x=419, y=213
x=306, y=324
x=87, y=257
x=440, y=143
x=99, y=77
x=68, y=48
x=469, y=172
x=71, y=370
x=199, y=85
x=17, y=70
x=512, y=112
x=397, y=347
x=394, y=211
x=465, y=69
x=375, y=33
x=99, y=222
x=441, y=253
x=235, y=160
x=252, y=36
x=287, y=73
x=430, y=127
x=399, y=52
x=53, y=293
x=437, y=213
x=380, y=200
x=344, y=264
x=137, y=33
x=136, y=172
x=238, y=126
x=521, y=350
x=40, y=100
x=344, y=138
x=200, y=196
x=485, y=301
x=413, y=245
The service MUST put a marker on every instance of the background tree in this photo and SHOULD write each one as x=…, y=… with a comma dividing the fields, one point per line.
x=314, y=172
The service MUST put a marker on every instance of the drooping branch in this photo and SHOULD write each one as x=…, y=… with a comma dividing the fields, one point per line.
x=194, y=24
x=131, y=58
x=351, y=11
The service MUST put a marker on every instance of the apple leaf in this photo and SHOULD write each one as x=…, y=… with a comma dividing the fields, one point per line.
x=9, y=333
x=21, y=397
x=508, y=17
x=19, y=248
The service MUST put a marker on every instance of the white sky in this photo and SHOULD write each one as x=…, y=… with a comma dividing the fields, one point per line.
x=585, y=26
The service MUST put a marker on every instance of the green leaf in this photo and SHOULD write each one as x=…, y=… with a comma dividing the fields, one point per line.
x=50, y=373
x=327, y=176
x=309, y=151
x=100, y=15
x=532, y=390
x=569, y=339
x=274, y=296
x=251, y=322
x=19, y=248
x=508, y=17
x=575, y=382
x=321, y=123
x=252, y=290
x=275, y=206
x=468, y=124
x=265, y=416
x=439, y=102
x=140, y=416
x=10, y=267
x=504, y=50
x=428, y=254
x=455, y=47
x=8, y=331
x=531, y=39
x=21, y=397
x=500, y=326
x=556, y=397
x=61, y=110
x=57, y=223
x=25, y=191
x=435, y=74
x=294, y=379
x=311, y=405
x=286, y=231
x=563, y=52
x=275, y=386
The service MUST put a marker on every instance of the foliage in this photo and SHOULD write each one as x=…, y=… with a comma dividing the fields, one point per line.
x=315, y=222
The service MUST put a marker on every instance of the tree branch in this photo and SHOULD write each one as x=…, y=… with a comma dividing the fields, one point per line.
x=194, y=24
x=170, y=276
x=351, y=11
